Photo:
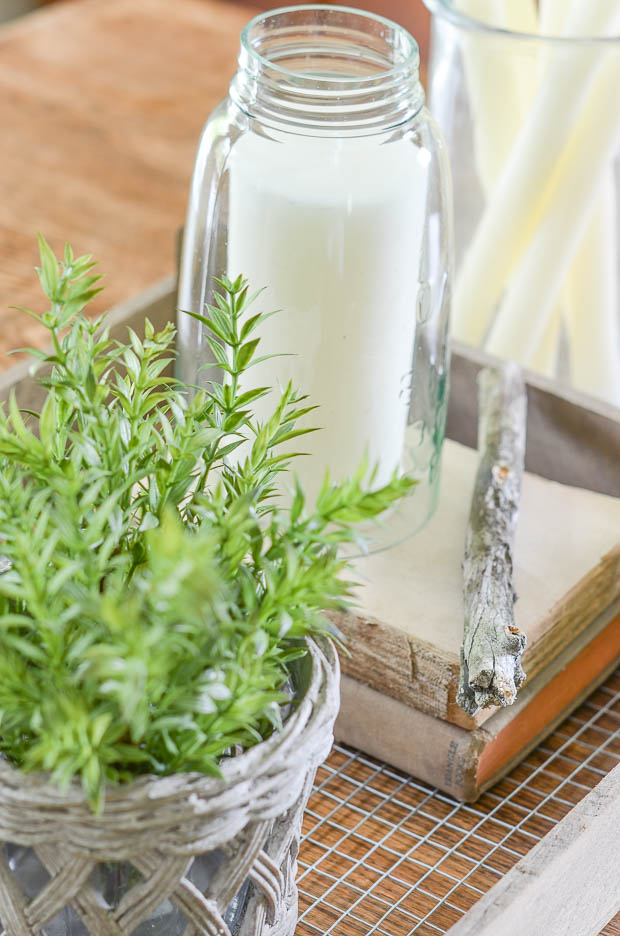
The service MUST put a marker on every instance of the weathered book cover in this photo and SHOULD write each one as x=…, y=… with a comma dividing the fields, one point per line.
x=405, y=635
x=465, y=762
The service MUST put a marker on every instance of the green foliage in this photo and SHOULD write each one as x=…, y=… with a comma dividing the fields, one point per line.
x=153, y=590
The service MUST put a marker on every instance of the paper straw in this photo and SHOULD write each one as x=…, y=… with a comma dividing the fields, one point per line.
x=511, y=217
x=593, y=302
x=552, y=17
x=590, y=295
x=535, y=286
x=500, y=94
x=494, y=100
x=551, y=22
x=519, y=16
x=545, y=357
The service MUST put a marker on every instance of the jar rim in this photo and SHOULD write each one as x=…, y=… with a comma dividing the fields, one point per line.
x=410, y=54
x=445, y=9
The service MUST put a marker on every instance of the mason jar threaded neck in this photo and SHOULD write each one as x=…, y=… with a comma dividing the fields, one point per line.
x=327, y=70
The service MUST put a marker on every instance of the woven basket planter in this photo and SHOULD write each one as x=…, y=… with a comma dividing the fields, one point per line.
x=183, y=854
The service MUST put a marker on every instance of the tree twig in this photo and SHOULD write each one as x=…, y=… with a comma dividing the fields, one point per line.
x=492, y=647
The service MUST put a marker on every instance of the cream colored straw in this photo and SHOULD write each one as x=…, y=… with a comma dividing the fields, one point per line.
x=500, y=94
x=534, y=288
x=511, y=218
x=592, y=302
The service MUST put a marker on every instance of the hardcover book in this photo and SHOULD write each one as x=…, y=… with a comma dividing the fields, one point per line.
x=404, y=637
x=466, y=762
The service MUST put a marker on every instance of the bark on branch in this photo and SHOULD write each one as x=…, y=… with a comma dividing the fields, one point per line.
x=492, y=647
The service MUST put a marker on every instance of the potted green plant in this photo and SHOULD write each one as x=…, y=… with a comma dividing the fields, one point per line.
x=167, y=682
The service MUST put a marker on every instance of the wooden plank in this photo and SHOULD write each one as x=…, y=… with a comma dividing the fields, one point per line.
x=571, y=437
x=567, y=884
x=102, y=105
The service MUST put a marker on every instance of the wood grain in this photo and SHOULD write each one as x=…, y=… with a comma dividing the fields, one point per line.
x=412, y=14
x=491, y=671
x=568, y=883
x=102, y=105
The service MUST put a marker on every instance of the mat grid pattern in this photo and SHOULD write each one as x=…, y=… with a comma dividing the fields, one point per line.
x=385, y=854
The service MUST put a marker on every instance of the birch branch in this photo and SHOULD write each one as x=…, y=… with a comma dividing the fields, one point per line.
x=492, y=647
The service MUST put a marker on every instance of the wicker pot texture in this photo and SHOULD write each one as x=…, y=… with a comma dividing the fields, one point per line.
x=183, y=854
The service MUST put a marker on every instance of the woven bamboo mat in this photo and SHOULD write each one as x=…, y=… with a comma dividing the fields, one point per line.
x=388, y=855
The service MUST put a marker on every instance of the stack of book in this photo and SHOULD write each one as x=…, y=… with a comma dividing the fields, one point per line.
x=401, y=664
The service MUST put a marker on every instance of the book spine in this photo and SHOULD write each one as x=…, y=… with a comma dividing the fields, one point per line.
x=465, y=763
x=435, y=751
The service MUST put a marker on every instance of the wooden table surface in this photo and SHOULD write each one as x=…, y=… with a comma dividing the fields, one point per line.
x=101, y=107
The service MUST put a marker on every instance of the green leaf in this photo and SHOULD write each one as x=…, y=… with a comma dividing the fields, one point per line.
x=48, y=423
x=251, y=396
x=236, y=419
x=48, y=272
x=261, y=642
x=259, y=447
x=252, y=323
x=219, y=353
x=245, y=354
x=293, y=434
x=149, y=522
x=90, y=384
x=136, y=344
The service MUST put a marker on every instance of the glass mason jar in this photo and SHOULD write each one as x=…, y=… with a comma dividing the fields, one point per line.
x=323, y=178
x=529, y=108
